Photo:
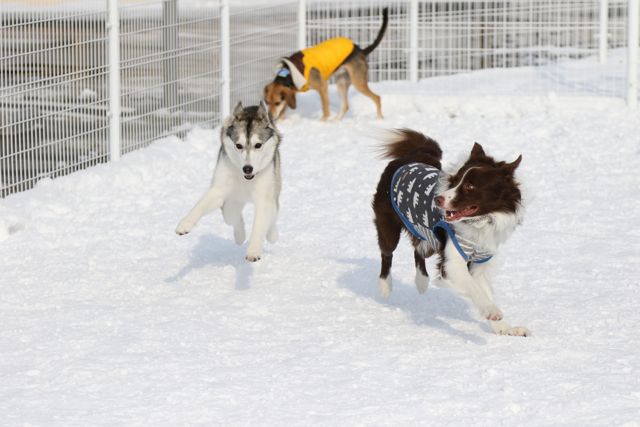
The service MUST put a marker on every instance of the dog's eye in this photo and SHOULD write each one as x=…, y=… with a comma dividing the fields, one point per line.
x=239, y=146
x=468, y=187
x=258, y=145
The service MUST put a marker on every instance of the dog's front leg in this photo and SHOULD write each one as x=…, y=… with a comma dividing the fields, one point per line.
x=265, y=214
x=212, y=199
x=481, y=274
x=460, y=279
x=324, y=99
x=319, y=84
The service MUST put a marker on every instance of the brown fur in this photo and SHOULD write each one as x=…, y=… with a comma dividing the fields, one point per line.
x=409, y=146
x=500, y=190
x=481, y=186
x=354, y=70
x=275, y=94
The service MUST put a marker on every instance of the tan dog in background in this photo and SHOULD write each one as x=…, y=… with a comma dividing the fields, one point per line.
x=312, y=68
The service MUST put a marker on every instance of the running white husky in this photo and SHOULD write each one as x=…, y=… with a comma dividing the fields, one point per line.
x=248, y=170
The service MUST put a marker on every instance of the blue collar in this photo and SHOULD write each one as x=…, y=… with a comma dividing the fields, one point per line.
x=452, y=235
x=284, y=77
x=283, y=72
x=412, y=195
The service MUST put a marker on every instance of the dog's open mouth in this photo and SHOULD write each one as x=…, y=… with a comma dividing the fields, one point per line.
x=457, y=215
x=249, y=177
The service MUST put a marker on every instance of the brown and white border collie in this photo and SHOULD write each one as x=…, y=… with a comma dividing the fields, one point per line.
x=462, y=217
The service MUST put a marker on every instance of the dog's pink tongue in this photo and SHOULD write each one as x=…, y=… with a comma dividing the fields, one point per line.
x=456, y=215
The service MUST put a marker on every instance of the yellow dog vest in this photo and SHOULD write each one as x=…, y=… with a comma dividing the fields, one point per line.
x=326, y=57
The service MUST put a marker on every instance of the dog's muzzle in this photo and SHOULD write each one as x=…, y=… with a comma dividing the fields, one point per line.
x=248, y=169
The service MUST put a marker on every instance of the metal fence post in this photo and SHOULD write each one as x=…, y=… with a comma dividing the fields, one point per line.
x=225, y=60
x=113, y=26
x=603, y=31
x=632, y=54
x=413, y=41
x=169, y=45
x=302, y=24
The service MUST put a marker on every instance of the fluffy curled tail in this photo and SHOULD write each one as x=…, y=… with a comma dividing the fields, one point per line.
x=412, y=146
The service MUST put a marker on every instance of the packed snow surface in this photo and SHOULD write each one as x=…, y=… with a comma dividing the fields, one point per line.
x=109, y=318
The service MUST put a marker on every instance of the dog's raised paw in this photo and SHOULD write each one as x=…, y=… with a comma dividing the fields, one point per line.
x=180, y=231
x=184, y=228
x=516, y=331
x=492, y=313
x=252, y=258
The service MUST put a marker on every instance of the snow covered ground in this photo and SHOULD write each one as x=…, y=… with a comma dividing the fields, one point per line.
x=109, y=318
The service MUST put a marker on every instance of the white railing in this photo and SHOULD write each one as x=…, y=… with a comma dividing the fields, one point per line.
x=259, y=36
x=444, y=37
x=178, y=66
x=632, y=54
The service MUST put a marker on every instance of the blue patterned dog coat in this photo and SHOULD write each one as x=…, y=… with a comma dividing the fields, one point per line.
x=413, y=194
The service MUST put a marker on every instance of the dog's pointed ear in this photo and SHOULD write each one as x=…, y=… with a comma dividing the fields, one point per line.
x=477, y=150
x=513, y=165
x=263, y=110
x=290, y=98
x=238, y=109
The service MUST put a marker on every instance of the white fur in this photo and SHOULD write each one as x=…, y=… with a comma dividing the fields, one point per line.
x=475, y=282
x=491, y=231
x=230, y=191
x=386, y=286
x=279, y=109
x=422, y=281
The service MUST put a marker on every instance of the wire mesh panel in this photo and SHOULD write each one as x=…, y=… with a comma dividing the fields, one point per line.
x=54, y=62
x=54, y=87
x=457, y=36
x=260, y=36
x=361, y=21
x=170, y=70
x=53, y=97
x=463, y=35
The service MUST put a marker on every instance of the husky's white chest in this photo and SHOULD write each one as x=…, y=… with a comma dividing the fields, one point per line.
x=240, y=189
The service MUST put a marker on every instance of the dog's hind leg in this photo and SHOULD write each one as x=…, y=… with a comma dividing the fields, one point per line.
x=272, y=233
x=343, y=82
x=319, y=84
x=388, y=237
x=232, y=214
x=358, y=70
x=422, y=278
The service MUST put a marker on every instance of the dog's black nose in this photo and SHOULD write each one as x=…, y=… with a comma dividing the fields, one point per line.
x=247, y=169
